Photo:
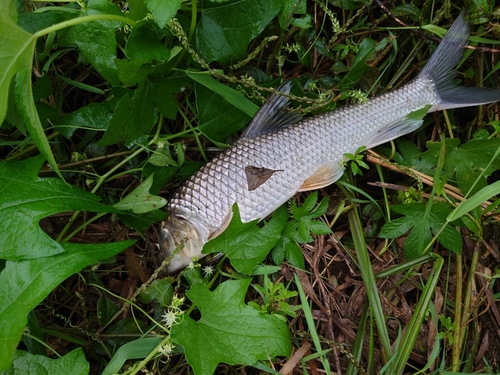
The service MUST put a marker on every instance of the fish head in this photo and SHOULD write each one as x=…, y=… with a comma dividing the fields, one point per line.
x=184, y=239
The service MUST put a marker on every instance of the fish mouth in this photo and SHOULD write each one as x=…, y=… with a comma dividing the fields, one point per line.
x=183, y=240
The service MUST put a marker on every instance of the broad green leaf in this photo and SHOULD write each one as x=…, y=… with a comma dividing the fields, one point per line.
x=25, y=199
x=422, y=231
x=73, y=363
x=96, y=40
x=140, y=200
x=229, y=331
x=160, y=291
x=106, y=309
x=94, y=115
x=245, y=244
x=359, y=66
x=163, y=10
x=16, y=54
x=224, y=32
x=134, y=116
x=26, y=283
x=133, y=71
x=144, y=42
x=141, y=222
x=467, y=161
x=232, y=96
x=217, y=118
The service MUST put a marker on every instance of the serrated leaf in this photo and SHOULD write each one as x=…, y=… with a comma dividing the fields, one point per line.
x=134, y=116
x=159, y=290
x=133, y=71
x=94, y=115
x=467, y=161
x=73, y=363
x=140, y=200
x=245, y=244
x=224, y=32
x=162, y=10
x=238, y=333
x=25, y=199
x=96, y=40
x=145, y=42
x=26, y=283
x=422, y=231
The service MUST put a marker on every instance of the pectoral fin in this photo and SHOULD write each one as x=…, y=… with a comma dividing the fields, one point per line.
x=257, y=176
x=324, y=176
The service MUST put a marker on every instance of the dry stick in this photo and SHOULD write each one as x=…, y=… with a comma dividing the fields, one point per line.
x=451, y=190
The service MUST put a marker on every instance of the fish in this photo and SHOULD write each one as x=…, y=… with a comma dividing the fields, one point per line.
x=280, y=153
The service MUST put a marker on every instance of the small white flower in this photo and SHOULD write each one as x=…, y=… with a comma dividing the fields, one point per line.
x=209, y=270
x=166, y=349
x=170, y=317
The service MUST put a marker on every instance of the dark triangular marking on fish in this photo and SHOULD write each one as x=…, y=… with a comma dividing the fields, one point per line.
x=273, y=114
x=257, y=176
x=324, y=176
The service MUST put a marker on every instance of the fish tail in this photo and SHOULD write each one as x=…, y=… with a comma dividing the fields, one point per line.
x=440, y=69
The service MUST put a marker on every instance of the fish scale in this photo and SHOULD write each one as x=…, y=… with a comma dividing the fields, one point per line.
x=295, y=151
x=278, y=155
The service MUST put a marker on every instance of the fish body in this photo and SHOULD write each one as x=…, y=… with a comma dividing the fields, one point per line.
x=277, y=155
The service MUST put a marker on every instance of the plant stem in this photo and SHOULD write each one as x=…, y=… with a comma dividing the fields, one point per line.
x=79, y=20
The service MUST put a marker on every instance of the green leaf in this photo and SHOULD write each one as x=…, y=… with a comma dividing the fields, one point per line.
x=26, y=283
x=229, y=331
x=73, y=363
x=232, y=96
x=140, y=200
x=106, y=309
x=25, y=199
x=224, y=32
x=96, y=40
x=93, y=115
x=467, y=161
x=141, y=222
x=159, y=290
x=422, y=231
x=16, y=54
x=144, y=42
x=131, y=72
x=163, y=10
x=245, y=244
x=137, y=349
x=359, y=66
x=418, y=114
x=134, y=116
x=217, y=118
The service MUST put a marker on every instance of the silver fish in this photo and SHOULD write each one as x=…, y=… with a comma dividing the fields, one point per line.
x=279, y=155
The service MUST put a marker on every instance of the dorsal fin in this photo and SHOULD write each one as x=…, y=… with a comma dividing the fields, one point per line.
x=273, y=114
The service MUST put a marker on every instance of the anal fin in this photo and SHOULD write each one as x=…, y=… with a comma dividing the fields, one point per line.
x=326, y=175
x=393, y=130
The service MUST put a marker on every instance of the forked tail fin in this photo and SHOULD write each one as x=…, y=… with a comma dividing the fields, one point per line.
x=440, y=70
